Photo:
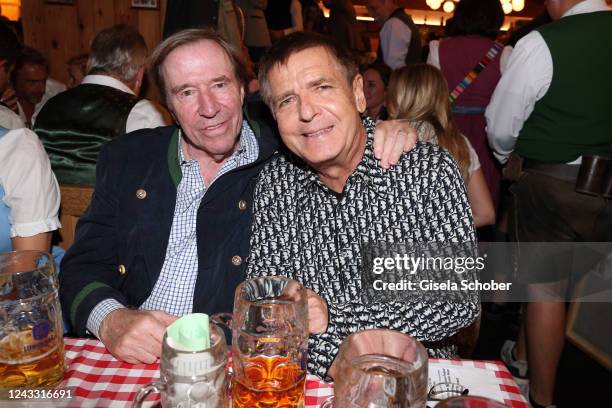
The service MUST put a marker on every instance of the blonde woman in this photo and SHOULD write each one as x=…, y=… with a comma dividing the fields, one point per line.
x=419, y=93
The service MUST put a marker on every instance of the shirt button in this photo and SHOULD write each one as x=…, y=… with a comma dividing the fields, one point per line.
x=242, y=205
x=121, y=269
x=141, y=194
x=236, y=260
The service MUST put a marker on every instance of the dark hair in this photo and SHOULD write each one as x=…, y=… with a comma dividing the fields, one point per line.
x=191, y=36
x=477, y=17
x=280, y=52
x=119, y=50
x=9, y=45
x=383, y=70
x=30, y=56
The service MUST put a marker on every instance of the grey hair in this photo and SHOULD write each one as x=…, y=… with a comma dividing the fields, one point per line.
x=119, y=51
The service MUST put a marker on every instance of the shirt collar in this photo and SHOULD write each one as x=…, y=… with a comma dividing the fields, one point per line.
x=587, y=6
x=107, y=81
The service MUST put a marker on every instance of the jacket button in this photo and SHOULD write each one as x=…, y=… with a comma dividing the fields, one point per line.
x=141, y=194
x=236, y=260
x=242, y=205
x=121, y=269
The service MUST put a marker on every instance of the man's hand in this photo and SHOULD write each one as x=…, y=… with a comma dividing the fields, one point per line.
x=9, y=98
x=317, y=313
x=391, y=139
x=135, y=336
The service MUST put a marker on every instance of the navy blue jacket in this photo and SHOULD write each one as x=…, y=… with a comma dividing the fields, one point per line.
x=121, y=239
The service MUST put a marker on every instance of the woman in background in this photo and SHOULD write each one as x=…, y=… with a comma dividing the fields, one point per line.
x=375, y=82
x=419, y=93
x=471, y=34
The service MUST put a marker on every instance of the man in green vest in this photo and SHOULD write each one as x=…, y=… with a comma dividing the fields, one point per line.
x=75, y=124
x=551, y=107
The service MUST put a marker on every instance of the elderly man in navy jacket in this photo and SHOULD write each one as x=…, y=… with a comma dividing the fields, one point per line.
x=168, y=229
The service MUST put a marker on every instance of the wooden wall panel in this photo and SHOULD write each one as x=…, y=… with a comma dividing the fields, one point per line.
x=86, y=22
x=104, y=14
x=149, y=27
x=125, y=14
x=63, y=31
x=32, y=17
x=58, y=46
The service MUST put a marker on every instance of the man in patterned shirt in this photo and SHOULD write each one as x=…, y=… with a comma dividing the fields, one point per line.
x=169, y=222
x=313, y=210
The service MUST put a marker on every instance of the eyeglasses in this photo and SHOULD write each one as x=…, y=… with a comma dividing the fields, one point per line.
x=445, y=390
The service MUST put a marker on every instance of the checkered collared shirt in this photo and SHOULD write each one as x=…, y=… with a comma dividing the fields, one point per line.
x=173, y=291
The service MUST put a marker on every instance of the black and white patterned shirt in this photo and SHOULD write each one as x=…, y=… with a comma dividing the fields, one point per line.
x=307, y=232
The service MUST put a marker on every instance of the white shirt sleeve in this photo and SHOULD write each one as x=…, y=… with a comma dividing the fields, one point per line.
x=434, y=53
x=99, y=313
x=31, y=190
x=144, y=115
x=9, y=119
x=394, y=40
x=526, y=80
x=503, y=59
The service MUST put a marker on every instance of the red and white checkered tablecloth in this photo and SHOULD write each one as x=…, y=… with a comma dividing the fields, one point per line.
x=98, y=380
x=489, y=379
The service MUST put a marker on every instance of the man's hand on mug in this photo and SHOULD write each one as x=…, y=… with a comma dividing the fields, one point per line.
x=135, y=336
x=391, y=139
x=317, y=313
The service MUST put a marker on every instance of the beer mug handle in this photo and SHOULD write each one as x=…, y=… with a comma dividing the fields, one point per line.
x=328, y=403
x=144, y=392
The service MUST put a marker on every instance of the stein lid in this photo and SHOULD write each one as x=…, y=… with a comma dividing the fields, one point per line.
x=190, y=332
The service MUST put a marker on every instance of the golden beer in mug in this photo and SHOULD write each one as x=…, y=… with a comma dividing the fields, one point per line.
x=269, y=343
x=269, y=382
x=31, y=329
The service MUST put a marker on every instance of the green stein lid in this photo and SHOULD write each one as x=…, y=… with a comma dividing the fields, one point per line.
x=190, y=332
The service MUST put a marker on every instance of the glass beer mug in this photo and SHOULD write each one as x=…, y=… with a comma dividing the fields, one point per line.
x=269, y=343
x=31, y=328
x=379, y=369
x=192, y=366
